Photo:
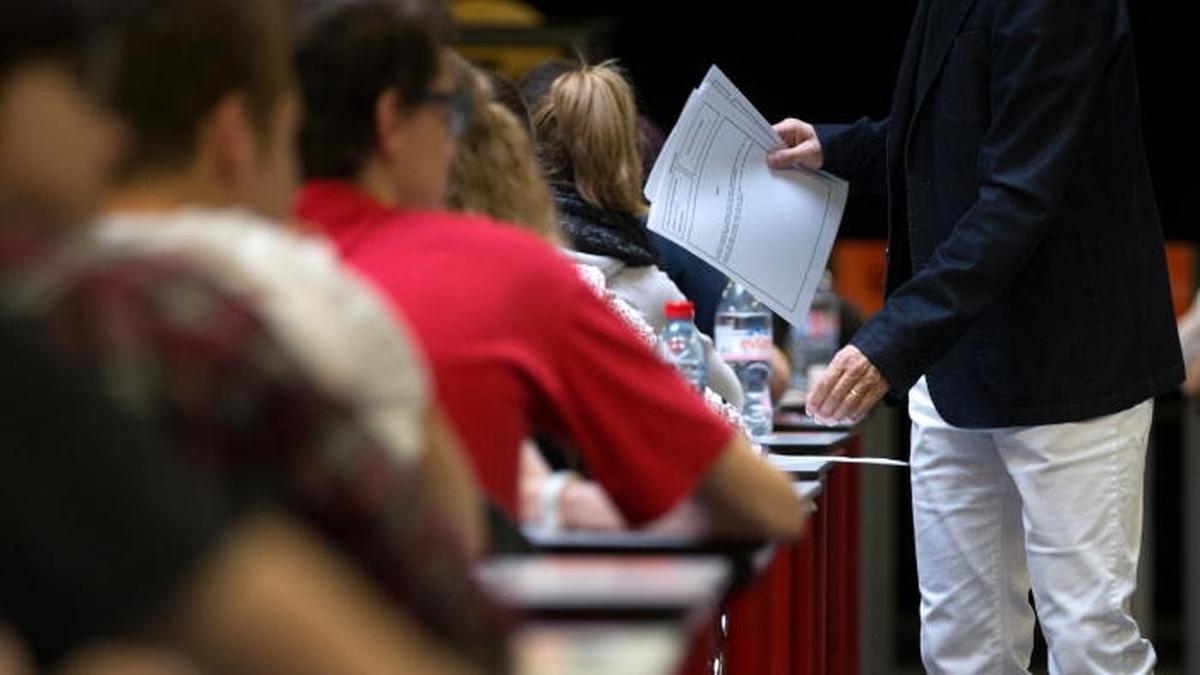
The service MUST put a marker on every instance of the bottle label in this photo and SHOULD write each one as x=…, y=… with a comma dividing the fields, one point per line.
x=738, y=345
x=822, y=323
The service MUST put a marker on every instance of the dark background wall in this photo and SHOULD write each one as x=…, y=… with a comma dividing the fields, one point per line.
x=837, y=60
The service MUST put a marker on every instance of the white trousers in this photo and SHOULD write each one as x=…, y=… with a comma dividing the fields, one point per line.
x=1055, y=508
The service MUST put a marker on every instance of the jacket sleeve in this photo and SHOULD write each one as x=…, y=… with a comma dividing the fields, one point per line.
x=856, y=152
x=1047, y=62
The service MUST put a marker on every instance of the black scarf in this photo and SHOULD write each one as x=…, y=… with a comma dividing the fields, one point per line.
x=609, y=233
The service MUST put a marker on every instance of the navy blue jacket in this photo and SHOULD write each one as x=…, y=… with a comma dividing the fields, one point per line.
x=1026, y=268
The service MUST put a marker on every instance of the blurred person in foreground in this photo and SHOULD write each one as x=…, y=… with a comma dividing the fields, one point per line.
x=118, y=557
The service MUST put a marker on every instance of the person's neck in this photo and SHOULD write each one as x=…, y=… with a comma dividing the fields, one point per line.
x=374, y=181
x=166, y=192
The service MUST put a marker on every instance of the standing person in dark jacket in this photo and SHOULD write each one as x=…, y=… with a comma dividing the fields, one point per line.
x=1028, y=313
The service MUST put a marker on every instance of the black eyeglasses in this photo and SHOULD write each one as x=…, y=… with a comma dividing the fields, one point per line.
x=459, y=108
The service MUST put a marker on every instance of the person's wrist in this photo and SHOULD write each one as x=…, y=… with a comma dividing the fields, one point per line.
x=550, y=512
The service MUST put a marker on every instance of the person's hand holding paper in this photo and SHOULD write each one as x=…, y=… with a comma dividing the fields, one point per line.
x=713, y=193
x=802, y=146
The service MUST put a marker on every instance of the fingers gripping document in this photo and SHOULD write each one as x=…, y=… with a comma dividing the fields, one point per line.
x=712, y=192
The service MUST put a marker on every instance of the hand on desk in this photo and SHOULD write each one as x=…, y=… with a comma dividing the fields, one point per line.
x=850, y=387
x=803, y=146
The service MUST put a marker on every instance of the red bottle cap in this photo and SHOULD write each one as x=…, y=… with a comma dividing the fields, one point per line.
x=681, y=309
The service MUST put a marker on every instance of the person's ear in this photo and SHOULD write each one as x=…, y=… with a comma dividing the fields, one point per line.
x=389, y=118
x=230, y=143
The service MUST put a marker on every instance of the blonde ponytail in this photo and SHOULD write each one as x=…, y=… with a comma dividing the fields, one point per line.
x=587, y=130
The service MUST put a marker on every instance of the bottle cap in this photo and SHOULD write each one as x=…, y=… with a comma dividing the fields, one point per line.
x=680, y=309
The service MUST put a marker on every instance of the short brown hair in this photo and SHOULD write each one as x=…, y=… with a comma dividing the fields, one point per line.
x=587, y=132
x=179, y=58
x=349, y=54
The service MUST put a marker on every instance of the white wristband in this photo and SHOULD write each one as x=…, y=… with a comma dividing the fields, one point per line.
x=552, y=489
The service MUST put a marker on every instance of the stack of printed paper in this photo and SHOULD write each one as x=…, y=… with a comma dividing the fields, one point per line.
x=712, y=192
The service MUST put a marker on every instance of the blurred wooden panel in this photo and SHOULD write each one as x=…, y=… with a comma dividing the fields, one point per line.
x=496, y=13
x=859, y=271
x=1181, y=266
x=511, y=38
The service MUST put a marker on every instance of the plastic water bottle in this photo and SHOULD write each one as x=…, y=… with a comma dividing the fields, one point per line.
x=679, y=343
x=814, y=344
x=743, y=339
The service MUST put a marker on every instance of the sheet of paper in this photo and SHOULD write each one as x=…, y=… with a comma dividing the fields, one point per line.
x=816, y=463
x=739, y=107
x=605, y=581
x=598, y=648
x=802, y=438
x=717, y=80
x=712, y=192
x=874, y=461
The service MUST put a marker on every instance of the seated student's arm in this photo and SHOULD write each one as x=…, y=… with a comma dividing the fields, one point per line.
x=581, y=504
x=452, y=488
x=274, y=600
x=123, y=658
x=532, y=474
x=743, y=496
x=101, y=529
x=650, y=441
x=584, y=505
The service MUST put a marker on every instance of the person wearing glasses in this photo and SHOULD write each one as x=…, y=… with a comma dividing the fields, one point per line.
x=519, y=344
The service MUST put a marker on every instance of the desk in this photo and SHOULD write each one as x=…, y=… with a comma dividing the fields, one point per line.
x=632, y=541
x=802, y=467
x=804, y=442
x=602, y=648
x=793, y=609
x=641, y=586
x=586, y=613
x=800, y=616
x=791, y=418
x=809, y=489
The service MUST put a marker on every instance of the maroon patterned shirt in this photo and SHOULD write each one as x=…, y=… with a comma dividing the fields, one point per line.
x=197, y=363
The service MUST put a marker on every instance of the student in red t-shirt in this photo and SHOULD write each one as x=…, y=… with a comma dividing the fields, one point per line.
x=518, y=343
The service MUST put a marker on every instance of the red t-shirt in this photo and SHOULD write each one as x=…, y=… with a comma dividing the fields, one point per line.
x=519, y=344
